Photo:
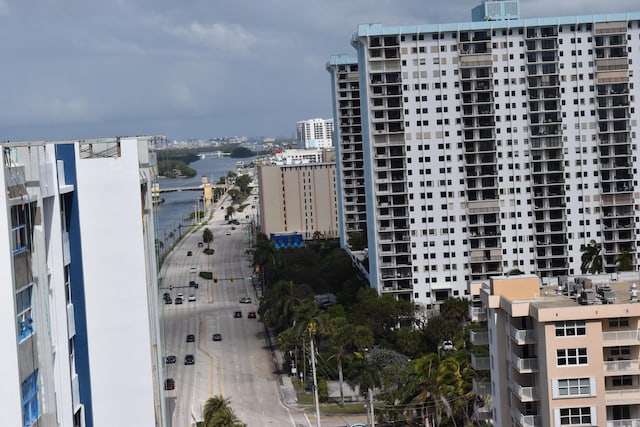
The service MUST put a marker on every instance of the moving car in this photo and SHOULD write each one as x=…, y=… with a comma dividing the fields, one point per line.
x=191, y=338
x=193, y=284
x=237, y=314
x=189, y=253
x=245, y=300
x=168, y=300
x=171, y=359
x=192, y=298
x=228, y=233
x=179, y=300
x=169, y=384
x=180, y=295
x=200, y=244
x=189, y=359
x=193, y=270
x=217, y=337
x=252, y=315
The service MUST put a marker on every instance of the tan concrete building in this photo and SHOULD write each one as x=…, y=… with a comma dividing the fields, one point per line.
x=299, y=198
x=560, y=355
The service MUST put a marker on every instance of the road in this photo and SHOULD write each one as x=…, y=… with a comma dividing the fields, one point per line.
x=240, y=367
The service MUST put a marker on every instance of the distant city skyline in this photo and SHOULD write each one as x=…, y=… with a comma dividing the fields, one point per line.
x=82, y=70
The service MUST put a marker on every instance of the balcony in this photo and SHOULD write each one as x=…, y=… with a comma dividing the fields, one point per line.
x=624, y=423
x=622, y=367
x=626, y=396
x=526, y=420
x=522, y=336
x=477, y=314
x=482, y=413
x=481, y=386
x=620, y=338
x=480, y=362
x=524, y=365
x=479, y=337
x=525, y=394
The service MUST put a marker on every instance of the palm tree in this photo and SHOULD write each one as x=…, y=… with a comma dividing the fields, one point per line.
x=364, y=374
x=625, y=262
x=591, y=258
x=217, y=412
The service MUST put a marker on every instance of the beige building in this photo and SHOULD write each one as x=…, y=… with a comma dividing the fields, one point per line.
x=299, y=198
x=560, y=355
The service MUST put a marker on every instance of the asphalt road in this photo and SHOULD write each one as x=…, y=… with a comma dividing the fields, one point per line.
x=240, y=367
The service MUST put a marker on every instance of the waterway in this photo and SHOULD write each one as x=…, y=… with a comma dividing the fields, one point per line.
x=173, y=215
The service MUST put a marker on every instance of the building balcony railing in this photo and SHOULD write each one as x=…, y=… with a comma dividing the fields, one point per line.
x=482, y=412
x=627, y=396
x=526, y=420
x=481, y=386
x=479, y=337
x=624, y=423
x=477, y=314
x=523, y=365
x=620, y=338
x=524, y=394
x=480, y=362
x=622, y=367
x=522, y=336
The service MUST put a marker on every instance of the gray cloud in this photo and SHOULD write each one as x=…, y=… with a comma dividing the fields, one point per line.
x=194, y=68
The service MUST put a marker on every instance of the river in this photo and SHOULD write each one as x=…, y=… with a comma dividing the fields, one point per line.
x=173, y=214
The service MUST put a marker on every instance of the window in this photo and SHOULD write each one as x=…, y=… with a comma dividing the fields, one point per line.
x=29, y=390
x=570, y=328
x=571, y=356
x=24, y=321
x=575, y=416
x=619, y=322
x=572, y=387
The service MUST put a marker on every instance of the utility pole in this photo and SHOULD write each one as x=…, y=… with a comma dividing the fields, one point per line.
x=312, y=332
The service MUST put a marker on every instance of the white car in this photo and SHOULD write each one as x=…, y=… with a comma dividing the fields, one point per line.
x=447, y=346
x=192, y=297
x=180, y=295
x=193, y=270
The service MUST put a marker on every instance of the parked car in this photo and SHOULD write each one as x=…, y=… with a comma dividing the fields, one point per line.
x=217, y=337
x=191, y=338
x=171, y=359
x=245, y=300
x=169, y=384
x=252, y=315
x=189, y=359
x=447, y=345
x=237, y=314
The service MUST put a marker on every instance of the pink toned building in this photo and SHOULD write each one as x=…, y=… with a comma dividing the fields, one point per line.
x=559, y=355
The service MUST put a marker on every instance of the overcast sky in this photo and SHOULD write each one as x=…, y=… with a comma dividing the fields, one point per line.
x=194, y=68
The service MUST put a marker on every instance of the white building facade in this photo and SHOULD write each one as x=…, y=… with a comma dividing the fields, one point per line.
x=78, y=263
x=315, y=133
x=497, y=145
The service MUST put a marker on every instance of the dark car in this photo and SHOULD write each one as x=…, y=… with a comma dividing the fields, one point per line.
x=191, y=338
x=252, y=315
x=169, y=384
x=189, y=253
x=171, y=359
x=237, y=314
x=168, y=300
x=193, y=284
x=166, y=295
x=200, y=244
x=189, y=359
x=245, y=300
x=217, y=337
x=179, y=300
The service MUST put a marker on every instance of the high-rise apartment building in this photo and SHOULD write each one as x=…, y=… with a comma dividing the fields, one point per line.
x=494, y=145
x=315, y=133
x=79, y=301
x=348, y=144
x=559, y=355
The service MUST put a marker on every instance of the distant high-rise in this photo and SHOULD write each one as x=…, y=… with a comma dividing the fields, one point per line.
x=79, y=328
x=490, y=146
x=315, y=133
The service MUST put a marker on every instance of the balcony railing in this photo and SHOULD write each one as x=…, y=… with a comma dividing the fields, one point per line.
x=526, y=420
x=620, y=338
x=625, y=396
x=622, y=367
x=480, y=362
x=477, y=314
x=481, y=386
x=525, y=394
x=624, y=423
x=479, y=337
x=524, y=365
x=522, y=336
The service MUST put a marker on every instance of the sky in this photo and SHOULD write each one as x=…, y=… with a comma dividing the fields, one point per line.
x=195, y=69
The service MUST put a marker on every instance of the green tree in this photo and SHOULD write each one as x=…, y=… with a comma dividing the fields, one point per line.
x=207, y=236
x=591, y=258
x=455, y=308
x=217, y=412
x=357, y=240
x=230, y=211
x=625, y=262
